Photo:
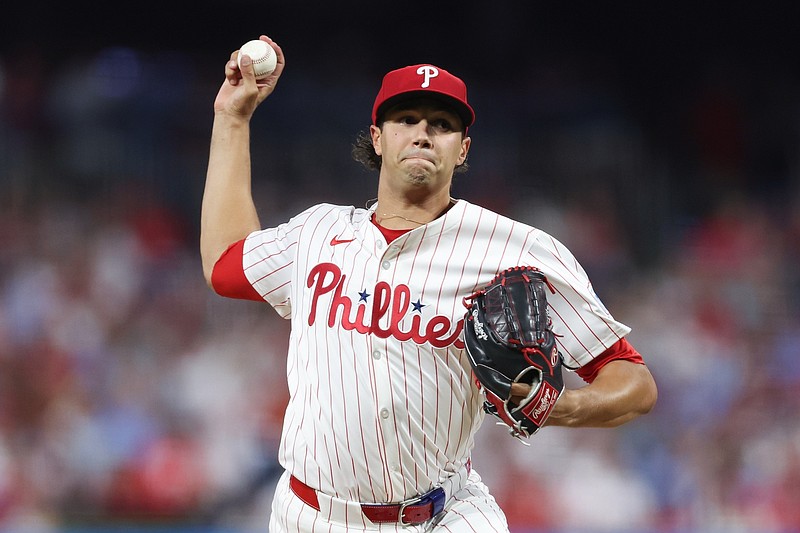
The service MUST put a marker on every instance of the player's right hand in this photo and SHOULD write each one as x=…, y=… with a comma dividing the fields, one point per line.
x=240, y=94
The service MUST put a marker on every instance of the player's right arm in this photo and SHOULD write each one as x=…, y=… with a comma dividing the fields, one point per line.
x=228, y=213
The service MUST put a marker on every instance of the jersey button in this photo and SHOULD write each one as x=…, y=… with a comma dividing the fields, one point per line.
x=384, y=413
x=386, y=265
x=376, y=355
x=379, y=244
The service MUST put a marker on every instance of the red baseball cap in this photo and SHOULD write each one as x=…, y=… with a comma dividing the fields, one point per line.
x=423, y=80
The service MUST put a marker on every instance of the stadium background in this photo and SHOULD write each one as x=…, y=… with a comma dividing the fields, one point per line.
x=659, y=142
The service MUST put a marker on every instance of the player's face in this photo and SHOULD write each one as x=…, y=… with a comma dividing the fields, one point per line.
x=420, y=144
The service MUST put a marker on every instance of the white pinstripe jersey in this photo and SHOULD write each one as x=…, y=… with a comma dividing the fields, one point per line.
x=382, y=404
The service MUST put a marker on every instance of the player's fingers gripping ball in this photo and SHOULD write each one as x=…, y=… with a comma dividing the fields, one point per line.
x=263, y=55
x=509, y=339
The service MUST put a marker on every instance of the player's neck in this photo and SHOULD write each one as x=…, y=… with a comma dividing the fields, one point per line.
x=407, y=215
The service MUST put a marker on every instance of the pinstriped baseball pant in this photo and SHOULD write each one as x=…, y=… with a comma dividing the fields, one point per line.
x=470, y=510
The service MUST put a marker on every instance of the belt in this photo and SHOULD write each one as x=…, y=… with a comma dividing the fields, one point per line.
x=410, y=512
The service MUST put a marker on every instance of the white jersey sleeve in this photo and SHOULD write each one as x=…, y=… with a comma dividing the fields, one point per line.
x=584, y=326
x=268, y=257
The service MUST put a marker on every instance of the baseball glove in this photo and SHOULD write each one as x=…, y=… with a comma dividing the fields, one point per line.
x=509, y=339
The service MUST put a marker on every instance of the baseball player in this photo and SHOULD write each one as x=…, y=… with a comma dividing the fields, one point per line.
x=383, y=408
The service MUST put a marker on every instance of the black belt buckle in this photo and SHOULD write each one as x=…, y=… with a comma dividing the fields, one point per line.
x=436, y=497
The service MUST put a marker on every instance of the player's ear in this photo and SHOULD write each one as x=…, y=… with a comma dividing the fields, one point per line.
x=466, y=142
x=375, y=134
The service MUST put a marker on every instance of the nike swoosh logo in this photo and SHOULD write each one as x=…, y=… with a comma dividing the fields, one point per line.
x=336, y=241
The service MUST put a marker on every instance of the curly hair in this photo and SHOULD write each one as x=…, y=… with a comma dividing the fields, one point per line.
x=363, y=152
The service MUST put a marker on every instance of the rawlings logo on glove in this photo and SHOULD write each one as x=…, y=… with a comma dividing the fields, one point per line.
x=480, y=331
x=509, y=339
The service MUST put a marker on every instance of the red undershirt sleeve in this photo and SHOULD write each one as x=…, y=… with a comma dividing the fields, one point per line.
x=621, y=350
x=227, y=277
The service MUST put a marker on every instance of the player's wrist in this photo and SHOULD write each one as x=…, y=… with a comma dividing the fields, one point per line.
x=230, y=129
x=567, y=409
x=230, y=118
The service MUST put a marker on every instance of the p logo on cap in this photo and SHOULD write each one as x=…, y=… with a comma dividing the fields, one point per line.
x=423, y=80
x=429, y=72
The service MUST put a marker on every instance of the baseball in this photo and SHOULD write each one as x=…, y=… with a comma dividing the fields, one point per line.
x=263, y=56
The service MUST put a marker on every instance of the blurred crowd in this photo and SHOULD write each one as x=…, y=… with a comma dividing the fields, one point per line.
x=130, y=393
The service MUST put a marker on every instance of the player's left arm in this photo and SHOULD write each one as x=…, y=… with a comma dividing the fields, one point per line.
x=620, y=386
x=620, y=389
